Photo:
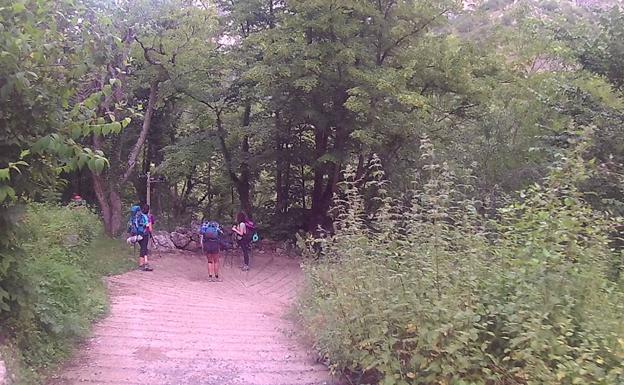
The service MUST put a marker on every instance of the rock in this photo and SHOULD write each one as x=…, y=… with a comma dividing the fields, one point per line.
x=180, y=240
x=161, y=232
x=192, y=246
x=185, y=241
x=181, y=230
x=71, y=240
x=162, y=239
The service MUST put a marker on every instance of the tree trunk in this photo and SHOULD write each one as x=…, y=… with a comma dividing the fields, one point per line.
x=326, y=177
x=281, y=199
x=303, y=186
x=109, y=198
x=243, y=184
x=244, y=198
x=286, y=186
x=105, y=208
x=302, y=171
x=116, y=213
x=147, y=120
x=209, y=187
x=320, y=206
x=279, y=189
x=110, y=206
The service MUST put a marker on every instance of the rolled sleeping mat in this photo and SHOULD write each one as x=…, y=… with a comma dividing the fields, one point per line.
x=134, y=239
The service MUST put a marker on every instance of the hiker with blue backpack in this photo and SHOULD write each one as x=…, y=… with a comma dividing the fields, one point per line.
x=245, y=232
x=210, y=236
x=139, y=229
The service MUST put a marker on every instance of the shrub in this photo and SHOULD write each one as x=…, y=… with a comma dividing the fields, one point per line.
x=54, y=286
x=421, y=293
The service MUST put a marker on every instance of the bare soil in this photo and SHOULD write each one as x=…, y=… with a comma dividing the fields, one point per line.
x=172, y=326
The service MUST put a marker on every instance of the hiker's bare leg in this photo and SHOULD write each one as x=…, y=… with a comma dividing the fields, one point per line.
x=216, y=267
x=141, y=261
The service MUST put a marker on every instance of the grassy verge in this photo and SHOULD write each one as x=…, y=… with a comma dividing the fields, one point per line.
x=56, y=288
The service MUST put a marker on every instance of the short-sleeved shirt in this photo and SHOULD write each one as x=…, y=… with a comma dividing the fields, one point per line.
x=242, y=229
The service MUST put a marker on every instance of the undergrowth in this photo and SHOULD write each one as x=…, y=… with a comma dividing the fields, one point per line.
x=55, y=287
x=424, y=290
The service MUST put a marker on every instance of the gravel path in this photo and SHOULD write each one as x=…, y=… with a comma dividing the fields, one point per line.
x=172, y=326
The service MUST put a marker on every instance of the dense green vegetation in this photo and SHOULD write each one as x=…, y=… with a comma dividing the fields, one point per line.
x=55, y=285
x=509, y=238
x=424, y=290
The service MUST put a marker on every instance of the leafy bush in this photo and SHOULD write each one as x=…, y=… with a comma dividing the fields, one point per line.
x=54, y=286
x=420, y=292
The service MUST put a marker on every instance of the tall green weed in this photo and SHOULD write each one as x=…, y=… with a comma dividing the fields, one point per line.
x=424, y=290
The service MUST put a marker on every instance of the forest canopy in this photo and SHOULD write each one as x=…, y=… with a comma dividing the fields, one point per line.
x=260, y=105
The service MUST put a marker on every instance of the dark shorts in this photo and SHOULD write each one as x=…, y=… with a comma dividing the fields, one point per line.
x=143, y=245
x=211, y=246
x=212, y=257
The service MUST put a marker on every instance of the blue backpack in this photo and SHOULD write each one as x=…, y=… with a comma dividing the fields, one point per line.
x=137, y=223
x=209, y=230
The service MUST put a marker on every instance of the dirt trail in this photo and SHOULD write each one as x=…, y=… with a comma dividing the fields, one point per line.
x=173, y=327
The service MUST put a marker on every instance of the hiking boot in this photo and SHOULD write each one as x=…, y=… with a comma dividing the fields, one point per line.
x=245, y=268
x=147, y=267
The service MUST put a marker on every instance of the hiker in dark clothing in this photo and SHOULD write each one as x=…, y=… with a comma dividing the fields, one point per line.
x=244, y=232
x=210, y=240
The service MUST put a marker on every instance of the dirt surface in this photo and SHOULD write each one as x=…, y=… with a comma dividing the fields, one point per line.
x=172, y=326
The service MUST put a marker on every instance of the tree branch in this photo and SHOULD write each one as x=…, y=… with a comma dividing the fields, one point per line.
x=400, y=40
x=134, y=154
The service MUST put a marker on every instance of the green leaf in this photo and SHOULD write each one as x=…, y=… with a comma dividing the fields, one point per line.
x=106, y=129
x=18, y=7
x=91, y=164
x=114, y=127
x=6, y=191
x=14, y=165
x=97, y=129
x=82, y=161
x=76, y=131
x=5, y=174
x=42, y=144
x=100, y=163
x=125, y=122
